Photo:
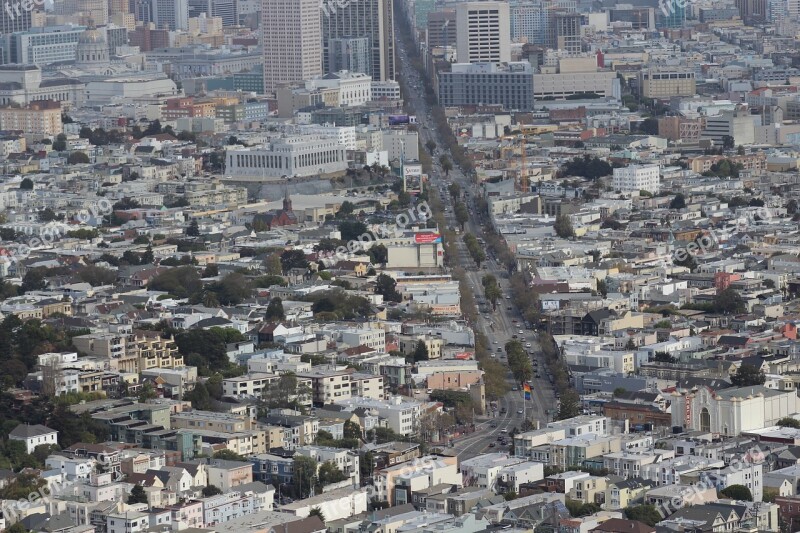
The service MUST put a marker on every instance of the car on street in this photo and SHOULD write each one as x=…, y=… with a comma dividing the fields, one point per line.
x=528, y=345
x=521, y=332
x=519, y=411
x=515, y=388
x=491, y=445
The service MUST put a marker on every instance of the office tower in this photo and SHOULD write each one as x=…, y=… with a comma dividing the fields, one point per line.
x=441, y=29
x=142, y=10
x=291, y=34
x=171, y=14
x=227, y=10
x=117, y=6
x=483, y=32
x=529, y=22
x=755, y=11
x=97, y=10
x=353, y=54
x=568, y=32
x=362, y=18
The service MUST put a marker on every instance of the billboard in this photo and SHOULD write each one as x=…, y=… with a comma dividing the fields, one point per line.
x=399, y=120
x=427, y=238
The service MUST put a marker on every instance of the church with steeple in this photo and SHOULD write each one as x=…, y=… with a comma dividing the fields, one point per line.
x=278, y=218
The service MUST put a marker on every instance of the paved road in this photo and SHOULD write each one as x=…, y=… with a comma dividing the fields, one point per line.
x=503, y=323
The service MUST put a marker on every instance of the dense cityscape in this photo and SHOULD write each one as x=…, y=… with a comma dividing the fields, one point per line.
x=399, y=266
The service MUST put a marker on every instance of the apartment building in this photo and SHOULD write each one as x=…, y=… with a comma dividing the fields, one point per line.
x=635, y=178
x=666, y=82
x=41, y=119
x=346, y=461
x=328, y=386
x=483, y=32
x=401, y=415
x=229, y=474
x=408, y=344
x=210, y=420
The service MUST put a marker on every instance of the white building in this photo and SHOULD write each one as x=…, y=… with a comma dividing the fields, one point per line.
x=401, y=416
x=300, y=156
x=34, y=435
x=335, y=505
x=224, y=507
x=127, y=522
x=354, y=88
x=635, y=178
x=401, y=144
x=731, y=411
x=385, y=90
x=291, y=33
x=483, y=32
x=749, y=475
x=346, y=461
x=484, y=470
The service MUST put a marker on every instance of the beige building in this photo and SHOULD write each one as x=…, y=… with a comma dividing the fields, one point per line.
x=666, y=82
x=132, y=352
x=408, y=343
x=328, y=386
x=210, y=420
x=291, y=32
x=40, y=118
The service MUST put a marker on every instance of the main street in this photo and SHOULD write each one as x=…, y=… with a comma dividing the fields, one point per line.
x=505, y=322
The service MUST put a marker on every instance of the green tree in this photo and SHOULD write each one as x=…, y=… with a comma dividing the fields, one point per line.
x=211, y=490
x=304, y=476
x=570, y=405
x=619, y=391
x=229, y=455
x=748, y=376
x=455, y=190
x=60, y=144
x=275, y=310
x=193, y=230
x=76, y=158
x=137, y=495
x=789, y=422
x=420, y=352
x=563, y=227
x=351, y=430
x=679, y=202
x=737, y=492
x=293, y=259
x=647, y=514
x=26, y=184
x=199, y=397
x=329, y=473
x=462, y=214
x=386, y=286
x=730, y=302
x=316, y=511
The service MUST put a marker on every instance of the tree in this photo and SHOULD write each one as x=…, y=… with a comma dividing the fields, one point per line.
x=455, y=190
x=420, y=352
x=193, y=230
x=293, y=259
x=679, y=202
x=16, y=528
x=570, y=405
x=304, y=476
x=137, y=495
x=60, y=144
x=26, y=184
x=791, y=206
x=748, y=376
x=316, y=511
x=447, y=166
x=378, y=254
x=352, y=430
x=329, y=473
x=737, y=492
x=788, y=422
x=275, y=310
x=649, y=126
x=76, y=158
x=229, y=455
x=386, y=286
x=729, y=302
x=728, y=142
x=431, y=146
x=211, y=271
x=619, y=391
x=211, y=490
x=199, y=397
x=563, y=227
x=644, y=513
x=462, y=214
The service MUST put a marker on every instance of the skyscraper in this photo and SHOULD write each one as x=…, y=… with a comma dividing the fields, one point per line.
x=291, y=37
x=352, y=54
x=373, y=19
x=483, y=32
x=227, y=10
x=171, y=14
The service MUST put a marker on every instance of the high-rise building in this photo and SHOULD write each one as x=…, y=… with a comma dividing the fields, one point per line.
x=363, y=18
x=568, y=32
x=441, y=28
x=142, y=10
x=351, y=54
x=753, y=11
x=227, y=10
x=529, y=22
x=483, y=32
x=171, y=14
x=291, y=37
x=14, y=18
x=96, y=10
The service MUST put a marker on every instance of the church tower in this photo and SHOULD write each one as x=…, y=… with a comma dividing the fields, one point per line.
x=287, y=202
